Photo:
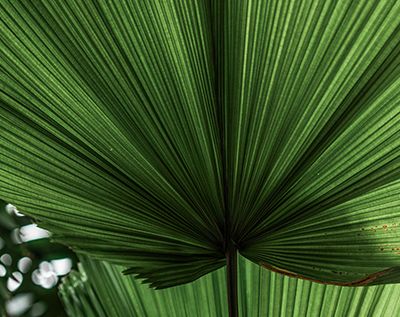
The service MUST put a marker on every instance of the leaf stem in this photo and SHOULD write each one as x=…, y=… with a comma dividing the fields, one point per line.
x=231, y=280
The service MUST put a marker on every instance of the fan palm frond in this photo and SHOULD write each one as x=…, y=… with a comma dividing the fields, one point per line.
x=166, y=135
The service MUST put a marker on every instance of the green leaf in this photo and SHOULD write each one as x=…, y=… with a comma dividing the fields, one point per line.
x=159, y=134
x=79, y=298
x=119, y=295
x=100, y=290
x=103, y=140
x=265, y=293
x=312, y=117
x=353, y=243
x=6, y=220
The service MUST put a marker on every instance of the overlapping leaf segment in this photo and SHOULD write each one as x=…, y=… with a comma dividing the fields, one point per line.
x=153, y=133
x=100, y=290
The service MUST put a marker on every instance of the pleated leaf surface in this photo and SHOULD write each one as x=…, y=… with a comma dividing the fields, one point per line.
x=147, y=132
x=108, y=131
x=100, y=290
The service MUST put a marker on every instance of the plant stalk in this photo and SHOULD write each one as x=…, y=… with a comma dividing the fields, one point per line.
x=231, y=281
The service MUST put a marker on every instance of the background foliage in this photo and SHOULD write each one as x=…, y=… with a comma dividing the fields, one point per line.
x=31, y=294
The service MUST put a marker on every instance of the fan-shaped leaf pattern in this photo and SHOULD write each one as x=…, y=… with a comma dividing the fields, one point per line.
x=155, y=133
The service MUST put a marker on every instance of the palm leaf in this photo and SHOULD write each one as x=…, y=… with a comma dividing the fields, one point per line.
x=113, y=169
x=100, y=290
x=164, y=135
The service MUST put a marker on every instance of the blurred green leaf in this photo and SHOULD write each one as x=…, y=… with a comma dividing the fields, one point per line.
x=37, y=251
x=6, y=220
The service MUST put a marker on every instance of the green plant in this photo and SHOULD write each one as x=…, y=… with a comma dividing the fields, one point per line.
x=28, y=278
x=100, y=290
x=166, y=136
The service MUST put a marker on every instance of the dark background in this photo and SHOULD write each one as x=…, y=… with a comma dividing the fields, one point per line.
x=36, y=295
